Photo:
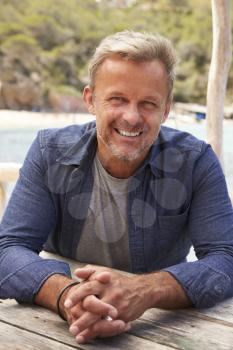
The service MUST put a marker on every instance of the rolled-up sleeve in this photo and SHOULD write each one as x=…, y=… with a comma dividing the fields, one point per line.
x=209, y=279
x=29, y=218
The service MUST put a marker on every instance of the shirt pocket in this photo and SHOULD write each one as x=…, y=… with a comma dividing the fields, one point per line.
x=172, y=228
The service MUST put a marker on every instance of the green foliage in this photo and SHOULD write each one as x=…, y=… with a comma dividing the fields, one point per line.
x=67, y=90
x=55, y=39
x=22, y=41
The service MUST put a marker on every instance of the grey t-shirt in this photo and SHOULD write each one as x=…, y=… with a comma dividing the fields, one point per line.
x=104, y=239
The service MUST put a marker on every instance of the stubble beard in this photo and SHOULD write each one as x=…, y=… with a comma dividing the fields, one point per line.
x=125, y=157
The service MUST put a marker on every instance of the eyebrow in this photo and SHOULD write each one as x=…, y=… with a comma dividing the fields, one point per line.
x=156, y=98
x=153, y=98
x=116, y=93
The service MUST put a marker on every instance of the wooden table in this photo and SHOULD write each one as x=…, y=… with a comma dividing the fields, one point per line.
x=24, y=327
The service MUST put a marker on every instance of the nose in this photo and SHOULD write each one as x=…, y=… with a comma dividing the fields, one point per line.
x=132, y=114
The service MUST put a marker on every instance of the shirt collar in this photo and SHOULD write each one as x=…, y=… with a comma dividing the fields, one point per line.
x=151, y=159
x=85, y=147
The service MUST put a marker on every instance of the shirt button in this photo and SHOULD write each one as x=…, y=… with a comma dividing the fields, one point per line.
x=218, y=290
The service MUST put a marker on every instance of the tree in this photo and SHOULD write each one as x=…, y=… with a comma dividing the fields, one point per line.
x=218, y=74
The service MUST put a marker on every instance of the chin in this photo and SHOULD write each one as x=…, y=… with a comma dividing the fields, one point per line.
x=127, y=156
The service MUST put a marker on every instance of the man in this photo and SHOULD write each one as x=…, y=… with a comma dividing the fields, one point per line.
x=124, y=193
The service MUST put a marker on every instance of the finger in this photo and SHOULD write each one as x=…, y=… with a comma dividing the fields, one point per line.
x=102, y=329
x=84, y=273
x=93, y=304
x=76, y=311
x=110, y=328
x=103, y=277
x=88, y=288
x=85, y=321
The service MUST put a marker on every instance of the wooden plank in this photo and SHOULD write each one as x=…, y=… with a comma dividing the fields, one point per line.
x=158, y=329
x=222, y=312
x=45, y=323
x=12, y=338
x=125, y=342
x=184, y=330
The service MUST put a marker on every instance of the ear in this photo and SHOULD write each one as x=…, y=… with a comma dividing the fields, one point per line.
x=88, y=98
x=166, y=112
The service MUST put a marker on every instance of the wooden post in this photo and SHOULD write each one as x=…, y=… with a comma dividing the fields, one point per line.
x=218, y=74
x=9, y=172
x=2, y=198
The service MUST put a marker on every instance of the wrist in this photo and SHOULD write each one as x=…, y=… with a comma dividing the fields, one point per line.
x=167, y=292
x=61, y=310
x=147, y=288
x=49, y=291
x=160, y=289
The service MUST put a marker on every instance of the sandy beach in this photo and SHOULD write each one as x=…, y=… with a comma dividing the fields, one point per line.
x=24, y=119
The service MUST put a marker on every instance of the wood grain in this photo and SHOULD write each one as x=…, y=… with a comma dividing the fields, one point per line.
x=190, y=329
x=42, y=322
x=13, y=338
x=184, y=330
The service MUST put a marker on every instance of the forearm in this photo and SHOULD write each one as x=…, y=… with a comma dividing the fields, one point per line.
x=23, y=272
x=207, y=281
x=50, y=290
x=164, y=291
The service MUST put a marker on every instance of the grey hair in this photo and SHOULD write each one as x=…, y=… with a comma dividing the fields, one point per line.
x=138, y=47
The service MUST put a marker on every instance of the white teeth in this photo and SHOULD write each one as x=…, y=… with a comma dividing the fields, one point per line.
x=127, y=133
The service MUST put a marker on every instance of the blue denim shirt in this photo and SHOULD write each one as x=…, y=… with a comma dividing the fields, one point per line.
x=176, y=199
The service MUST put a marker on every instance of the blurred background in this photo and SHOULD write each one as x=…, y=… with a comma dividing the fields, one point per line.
x=45, y=46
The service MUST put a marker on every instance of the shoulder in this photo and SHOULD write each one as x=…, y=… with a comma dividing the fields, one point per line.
x=64, y=136
x=193, y=158
x=175, y=149
x=181, y=140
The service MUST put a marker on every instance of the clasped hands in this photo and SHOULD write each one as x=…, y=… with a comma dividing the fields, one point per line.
x=104, y=303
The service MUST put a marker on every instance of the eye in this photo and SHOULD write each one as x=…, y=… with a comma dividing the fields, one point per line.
x=149, y=105
x=117, y=100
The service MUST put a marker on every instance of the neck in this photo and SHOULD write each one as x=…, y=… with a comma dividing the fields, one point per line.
x=121, y=169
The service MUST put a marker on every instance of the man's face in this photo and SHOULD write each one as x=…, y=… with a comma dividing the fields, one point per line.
x=130, y=103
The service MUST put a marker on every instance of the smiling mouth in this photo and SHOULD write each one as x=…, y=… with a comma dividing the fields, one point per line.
x=128, y=133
